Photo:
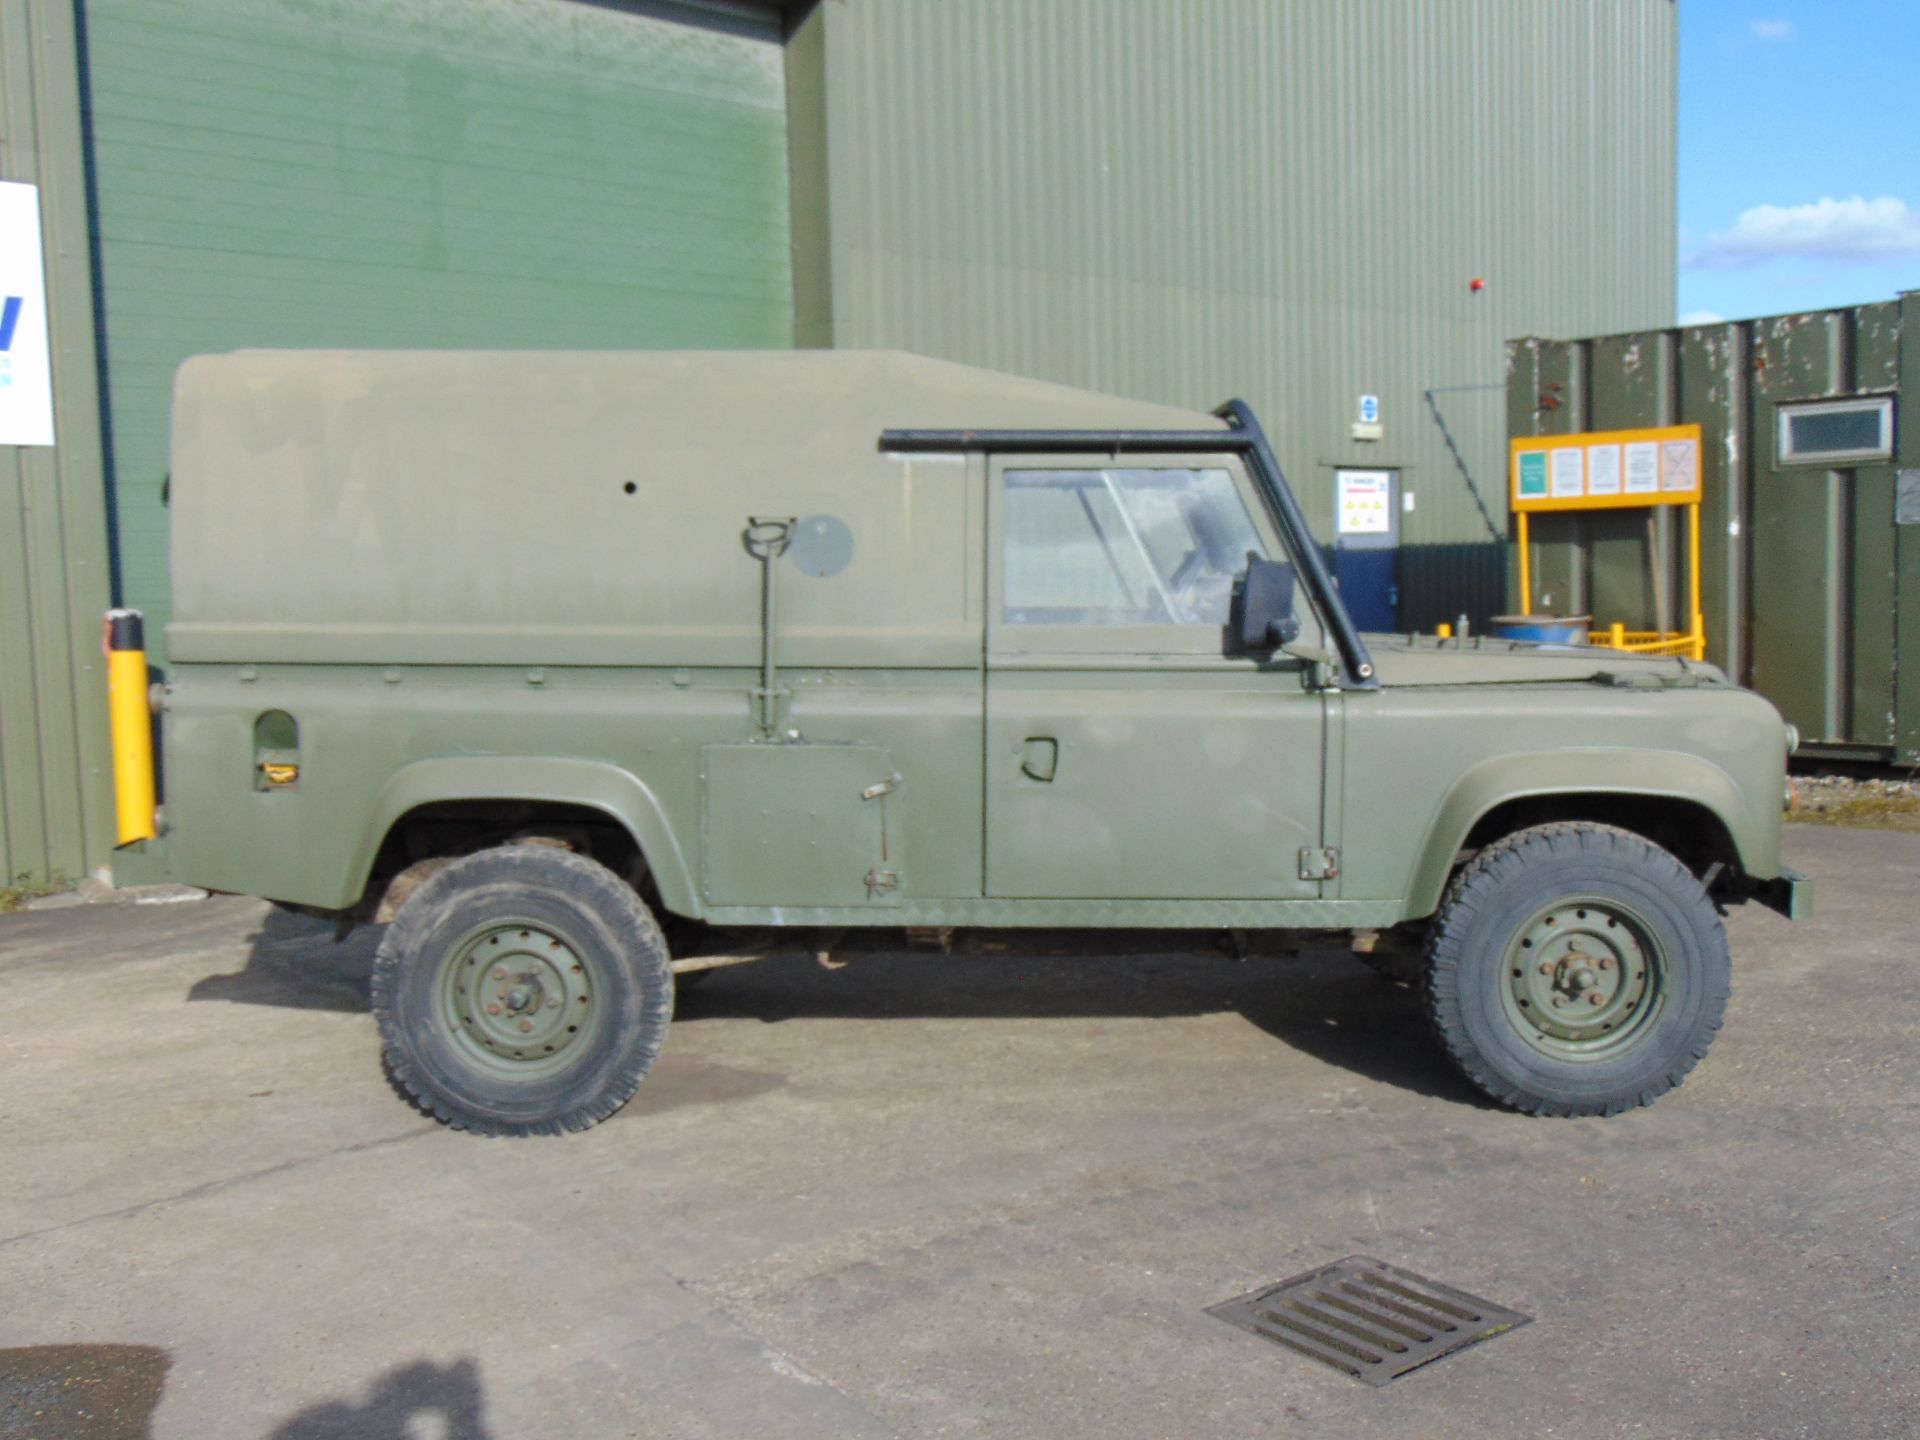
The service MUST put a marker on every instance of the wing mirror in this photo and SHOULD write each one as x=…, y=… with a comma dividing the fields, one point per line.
x=1260, y=616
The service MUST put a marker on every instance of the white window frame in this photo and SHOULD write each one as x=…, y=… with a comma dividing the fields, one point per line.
x=1831, y=459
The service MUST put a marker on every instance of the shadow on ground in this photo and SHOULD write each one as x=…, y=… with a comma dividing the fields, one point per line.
x=449, y=1393
x=1326, y=1003
x=300, y=962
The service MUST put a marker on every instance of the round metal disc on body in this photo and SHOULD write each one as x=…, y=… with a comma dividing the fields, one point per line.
x=822, y=546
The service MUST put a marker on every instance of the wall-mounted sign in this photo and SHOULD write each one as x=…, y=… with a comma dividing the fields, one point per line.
x=26, y=379
x=1365, y=502
x=1606, y=470
x=1369, y=409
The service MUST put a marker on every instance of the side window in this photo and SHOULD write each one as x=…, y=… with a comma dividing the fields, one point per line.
x=1123, y=547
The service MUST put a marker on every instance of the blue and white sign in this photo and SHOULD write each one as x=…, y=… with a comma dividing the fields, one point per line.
x=1369, y=409
x=26, y=379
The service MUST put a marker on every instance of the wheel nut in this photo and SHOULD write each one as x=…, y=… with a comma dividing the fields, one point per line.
x=1546, y=967
x=1606, y=962
x=1559, y=999
x=526, y=1027
x=553, y=1003
x=493, y=1008
x=1595, y=998
x=499, y=972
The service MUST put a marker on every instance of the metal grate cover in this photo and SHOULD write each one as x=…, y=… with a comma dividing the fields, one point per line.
x=1373, y=1321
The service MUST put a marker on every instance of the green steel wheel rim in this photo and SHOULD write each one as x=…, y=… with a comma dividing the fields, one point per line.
x=518, y=1001
x=1586, y=978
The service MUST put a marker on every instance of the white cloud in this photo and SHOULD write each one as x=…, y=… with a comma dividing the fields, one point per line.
x=1702, y=317
x=1828, y=229
x=1772, y=29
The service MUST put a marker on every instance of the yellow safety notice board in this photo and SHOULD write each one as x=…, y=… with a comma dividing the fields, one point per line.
x=1614, y=470
x=1606, y=470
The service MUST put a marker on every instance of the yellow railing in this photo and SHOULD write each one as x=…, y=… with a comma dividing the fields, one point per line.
x=1693, y=646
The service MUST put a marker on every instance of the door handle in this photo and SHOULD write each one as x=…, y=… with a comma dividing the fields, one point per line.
x=1038, y=757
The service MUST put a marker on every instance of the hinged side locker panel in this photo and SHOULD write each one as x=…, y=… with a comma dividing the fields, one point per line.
x=801, y=825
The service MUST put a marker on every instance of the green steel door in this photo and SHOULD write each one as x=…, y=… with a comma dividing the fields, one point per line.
x=419, y=174
x=1126, y=757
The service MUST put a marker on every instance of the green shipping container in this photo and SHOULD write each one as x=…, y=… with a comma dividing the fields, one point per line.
x=1810, y=518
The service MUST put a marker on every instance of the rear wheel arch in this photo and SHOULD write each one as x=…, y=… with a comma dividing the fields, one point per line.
x=477, y=802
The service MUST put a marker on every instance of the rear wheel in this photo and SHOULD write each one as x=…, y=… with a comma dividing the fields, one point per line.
x=1576, y=970
x=523, y=990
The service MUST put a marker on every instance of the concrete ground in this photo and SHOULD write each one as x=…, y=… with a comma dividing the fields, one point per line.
x=929, y=1196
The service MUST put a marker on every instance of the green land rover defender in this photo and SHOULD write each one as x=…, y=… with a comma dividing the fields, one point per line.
x=589, y=672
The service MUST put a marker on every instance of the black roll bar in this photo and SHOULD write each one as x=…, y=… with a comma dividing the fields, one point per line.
x=1244, y=438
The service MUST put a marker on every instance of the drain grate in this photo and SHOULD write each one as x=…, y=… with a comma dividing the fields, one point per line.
x=1373, y=1321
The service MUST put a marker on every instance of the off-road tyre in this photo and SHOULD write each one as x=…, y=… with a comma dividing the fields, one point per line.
x=1490, y=963
x=579, y=1010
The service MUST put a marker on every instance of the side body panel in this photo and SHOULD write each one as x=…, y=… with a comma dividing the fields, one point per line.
x=375, y=744
x=1201, y=783
x=1425, y=763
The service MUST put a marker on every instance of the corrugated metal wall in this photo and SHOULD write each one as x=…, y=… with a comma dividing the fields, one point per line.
x=419, y=173
x=1804, y=569
x=55, y=818
x=1281, y=201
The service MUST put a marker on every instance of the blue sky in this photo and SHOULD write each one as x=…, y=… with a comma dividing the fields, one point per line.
x=1799, y=154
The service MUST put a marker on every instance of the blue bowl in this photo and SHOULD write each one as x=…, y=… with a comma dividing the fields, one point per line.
x=1543, y=629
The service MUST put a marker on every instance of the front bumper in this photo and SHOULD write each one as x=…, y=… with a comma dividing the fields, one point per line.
x=1791, y=893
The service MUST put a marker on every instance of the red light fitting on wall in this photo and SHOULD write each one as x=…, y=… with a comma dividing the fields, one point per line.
x=1476, y=284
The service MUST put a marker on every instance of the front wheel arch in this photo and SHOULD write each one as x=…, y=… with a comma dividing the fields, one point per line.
x=1683, y=803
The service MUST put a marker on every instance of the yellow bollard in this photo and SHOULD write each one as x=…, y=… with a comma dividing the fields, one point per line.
x=1443, y=630
x=130, y=723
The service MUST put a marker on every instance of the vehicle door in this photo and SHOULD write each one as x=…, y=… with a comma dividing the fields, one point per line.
x=1128, y=756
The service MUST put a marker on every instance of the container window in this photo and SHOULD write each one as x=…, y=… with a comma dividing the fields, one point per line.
x=1834, y=432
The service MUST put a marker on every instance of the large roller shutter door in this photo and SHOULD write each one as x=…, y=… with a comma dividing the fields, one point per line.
x=420, y=173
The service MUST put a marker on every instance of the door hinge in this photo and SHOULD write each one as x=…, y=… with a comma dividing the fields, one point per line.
x=878, y=880
x=1318, y=863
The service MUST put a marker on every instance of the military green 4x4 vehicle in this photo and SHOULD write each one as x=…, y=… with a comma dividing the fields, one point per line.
x=594, y=670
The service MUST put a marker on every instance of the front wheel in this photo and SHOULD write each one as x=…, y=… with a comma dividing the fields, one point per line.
x=1576, y=969
x=523, y=990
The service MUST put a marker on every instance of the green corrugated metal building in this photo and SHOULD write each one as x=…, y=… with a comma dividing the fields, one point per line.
x=1286, y=200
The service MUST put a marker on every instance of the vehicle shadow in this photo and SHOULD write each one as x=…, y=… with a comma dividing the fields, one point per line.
x=301, y=962
x=409, y=1393
x=1324, y=1003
